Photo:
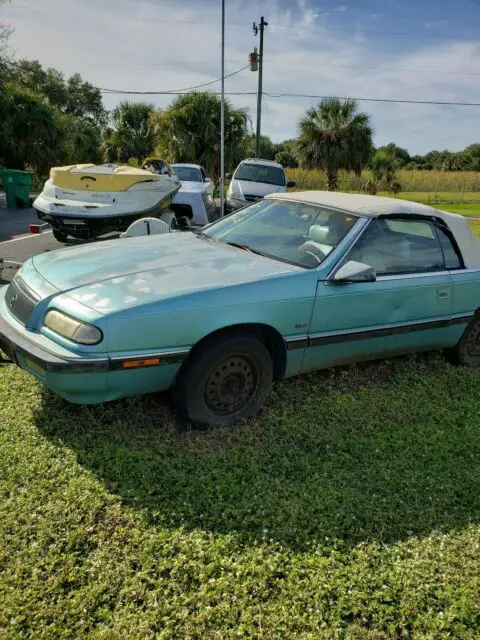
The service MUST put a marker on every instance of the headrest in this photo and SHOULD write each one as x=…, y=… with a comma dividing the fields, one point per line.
x=318, y=233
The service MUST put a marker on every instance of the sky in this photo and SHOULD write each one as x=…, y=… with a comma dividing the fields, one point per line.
x=386, y=49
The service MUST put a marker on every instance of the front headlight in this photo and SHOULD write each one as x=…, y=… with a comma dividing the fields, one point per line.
x=72, y=329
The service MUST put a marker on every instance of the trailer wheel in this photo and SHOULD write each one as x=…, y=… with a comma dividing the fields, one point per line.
x=59, y=236
x=169, y=218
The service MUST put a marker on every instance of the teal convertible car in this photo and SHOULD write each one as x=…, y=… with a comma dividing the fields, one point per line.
x=290, y=284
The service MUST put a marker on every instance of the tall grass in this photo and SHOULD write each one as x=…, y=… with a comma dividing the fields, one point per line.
x=417, y=181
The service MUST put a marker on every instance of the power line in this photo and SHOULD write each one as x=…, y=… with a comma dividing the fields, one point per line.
x=397, y=101
x=173, y=91
x=304, y=95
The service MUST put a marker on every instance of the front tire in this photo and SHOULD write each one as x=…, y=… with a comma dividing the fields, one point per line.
x=225, y=382
x=467, y=351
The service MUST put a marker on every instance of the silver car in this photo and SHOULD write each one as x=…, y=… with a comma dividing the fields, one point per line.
x=195, y=200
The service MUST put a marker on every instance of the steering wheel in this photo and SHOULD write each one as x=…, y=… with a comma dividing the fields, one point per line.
x=313, y=249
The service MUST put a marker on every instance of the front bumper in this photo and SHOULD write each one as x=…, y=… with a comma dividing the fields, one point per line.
x=77, y=379
x=14, y=345
x=83, y=379
x=234, y=204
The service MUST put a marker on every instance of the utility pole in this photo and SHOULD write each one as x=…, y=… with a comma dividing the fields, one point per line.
x=260, y=29
x=222, y=121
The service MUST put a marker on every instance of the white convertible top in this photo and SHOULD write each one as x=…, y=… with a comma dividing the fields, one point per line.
x=373, y=206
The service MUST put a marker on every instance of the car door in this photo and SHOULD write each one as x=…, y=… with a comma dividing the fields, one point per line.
x=407, y=308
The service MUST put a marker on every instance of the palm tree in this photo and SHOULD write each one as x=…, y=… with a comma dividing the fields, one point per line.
x=383, y=166
x=131, y=134
x=190, y=131
x=335, y=136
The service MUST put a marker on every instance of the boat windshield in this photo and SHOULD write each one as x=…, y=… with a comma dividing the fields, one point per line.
x=292, y=232
x=188, y=174
x=260, y=173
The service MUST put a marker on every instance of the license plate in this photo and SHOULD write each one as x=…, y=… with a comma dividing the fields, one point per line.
x=71, y=221
x=96, y=195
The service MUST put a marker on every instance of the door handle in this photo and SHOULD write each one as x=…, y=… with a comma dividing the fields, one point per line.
x=443, y=292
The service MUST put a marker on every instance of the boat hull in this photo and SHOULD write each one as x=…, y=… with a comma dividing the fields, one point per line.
x=87, y=227
x=88, y=214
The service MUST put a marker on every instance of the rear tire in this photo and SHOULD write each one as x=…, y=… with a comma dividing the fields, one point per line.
x=467, y=351
x=225, y=382
x=60, y=236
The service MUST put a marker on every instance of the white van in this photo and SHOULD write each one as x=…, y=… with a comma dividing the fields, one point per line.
x=253, y=180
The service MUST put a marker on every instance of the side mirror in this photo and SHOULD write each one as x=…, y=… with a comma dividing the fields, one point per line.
x=291, y=184
x=228, y=176
x=354, y=272
x=208, y=179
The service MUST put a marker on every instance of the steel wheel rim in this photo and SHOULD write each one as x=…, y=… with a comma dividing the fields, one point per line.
x=231, y=385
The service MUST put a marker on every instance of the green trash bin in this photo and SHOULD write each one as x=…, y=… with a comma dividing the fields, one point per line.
x=17, y=187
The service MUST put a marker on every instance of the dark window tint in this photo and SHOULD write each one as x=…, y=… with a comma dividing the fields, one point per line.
x=395, y=246
x=260, y=173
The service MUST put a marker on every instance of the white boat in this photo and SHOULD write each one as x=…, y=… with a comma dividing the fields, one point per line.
x=86, y=200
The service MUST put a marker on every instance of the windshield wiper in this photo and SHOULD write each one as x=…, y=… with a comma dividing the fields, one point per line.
x=245, y=247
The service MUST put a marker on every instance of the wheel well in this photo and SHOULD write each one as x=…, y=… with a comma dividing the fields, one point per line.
x=182, y=210
x=269, y=336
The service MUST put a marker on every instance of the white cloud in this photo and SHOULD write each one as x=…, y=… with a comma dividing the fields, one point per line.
x=158, y=46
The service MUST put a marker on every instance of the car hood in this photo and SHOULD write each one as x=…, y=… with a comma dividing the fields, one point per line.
x=117, y=274
x=255, y=188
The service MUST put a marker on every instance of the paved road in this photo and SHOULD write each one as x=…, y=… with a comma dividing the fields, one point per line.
x=16, y=243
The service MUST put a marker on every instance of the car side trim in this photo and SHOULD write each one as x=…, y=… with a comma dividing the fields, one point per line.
x=296, y=342
x=387, y=330
x=333, y=337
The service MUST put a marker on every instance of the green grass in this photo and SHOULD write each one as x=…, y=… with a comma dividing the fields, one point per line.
x=466, y=204
x=349, y=509
x=476, y=227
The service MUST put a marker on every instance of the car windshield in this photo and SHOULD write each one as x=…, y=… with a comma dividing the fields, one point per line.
x=260, y=173
x=188, y=174
x=292, y=232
